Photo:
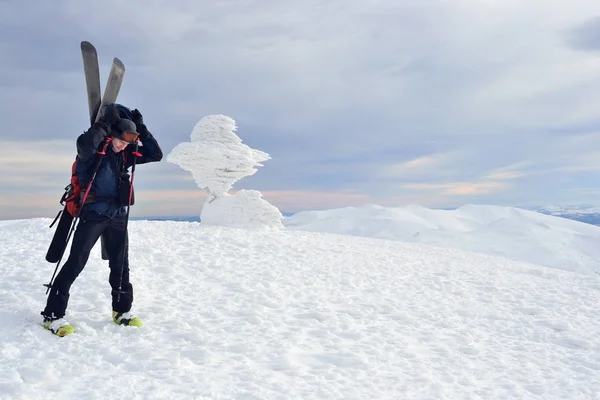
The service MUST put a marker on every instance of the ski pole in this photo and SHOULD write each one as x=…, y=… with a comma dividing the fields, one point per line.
x=74, y=223
x=137, y=154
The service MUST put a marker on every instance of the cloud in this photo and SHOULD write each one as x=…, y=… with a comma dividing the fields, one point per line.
x=509, y=172
x=586, y=36
x=345, y=96
x=296, y=200
x=420, y=165
x=30, y=167
x=504, y=175
x=459, y=188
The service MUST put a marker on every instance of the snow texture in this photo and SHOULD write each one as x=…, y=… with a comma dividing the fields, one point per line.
x=514, y=233
x=217, y=159
x=284, y=314
x=245, y=209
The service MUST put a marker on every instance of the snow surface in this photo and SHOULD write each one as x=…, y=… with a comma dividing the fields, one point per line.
x=514, y=233
x=217, y=159
x=265, y=314
x=244, y=209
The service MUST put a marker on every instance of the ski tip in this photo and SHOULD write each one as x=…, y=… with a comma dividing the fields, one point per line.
x=118, y=63
x=87, y=45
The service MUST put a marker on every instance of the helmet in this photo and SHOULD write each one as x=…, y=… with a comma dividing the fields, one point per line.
x=124, y=112
x=125, y=129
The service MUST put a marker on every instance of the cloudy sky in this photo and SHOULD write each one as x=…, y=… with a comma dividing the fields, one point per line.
x=393, y=102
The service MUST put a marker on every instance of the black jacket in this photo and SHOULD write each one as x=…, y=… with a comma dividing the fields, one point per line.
x=113, y=167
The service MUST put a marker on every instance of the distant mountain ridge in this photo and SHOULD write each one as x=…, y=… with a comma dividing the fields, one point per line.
x=183, y=218
x=587, y=213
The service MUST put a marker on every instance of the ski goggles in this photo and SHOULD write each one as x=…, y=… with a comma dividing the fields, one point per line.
x=126, y=131
x=129, y=137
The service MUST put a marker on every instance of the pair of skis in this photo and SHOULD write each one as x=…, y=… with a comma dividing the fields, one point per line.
x=92, y=80
x=96, y=103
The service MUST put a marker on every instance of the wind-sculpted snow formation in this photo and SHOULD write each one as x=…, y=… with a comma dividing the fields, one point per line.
x=217, y=159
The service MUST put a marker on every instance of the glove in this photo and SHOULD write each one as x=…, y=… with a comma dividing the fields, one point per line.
x=110, y=118
x=124, y=188
x=136, y=116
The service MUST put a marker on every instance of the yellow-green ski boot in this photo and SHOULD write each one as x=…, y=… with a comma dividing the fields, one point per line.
x=127, y=318
x=60, y=327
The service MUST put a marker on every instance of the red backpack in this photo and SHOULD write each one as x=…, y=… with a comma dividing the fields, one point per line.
x=73, y=195
x=71, y=199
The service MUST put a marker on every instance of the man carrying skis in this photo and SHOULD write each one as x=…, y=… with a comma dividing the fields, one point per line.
x=105, y=211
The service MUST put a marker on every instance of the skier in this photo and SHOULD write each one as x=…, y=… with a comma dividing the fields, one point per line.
x=104, y=212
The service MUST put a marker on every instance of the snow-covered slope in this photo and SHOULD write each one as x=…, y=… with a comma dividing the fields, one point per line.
x=514, y=233
x=236, y=314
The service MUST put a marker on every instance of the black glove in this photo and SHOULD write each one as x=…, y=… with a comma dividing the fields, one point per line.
x=125, y=188
x=110, y=118
x=136, y=117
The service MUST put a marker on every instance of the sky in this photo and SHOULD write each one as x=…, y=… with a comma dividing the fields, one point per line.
x=436, y=103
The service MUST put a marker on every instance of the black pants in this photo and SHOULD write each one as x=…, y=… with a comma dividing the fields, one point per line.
x=114, y=232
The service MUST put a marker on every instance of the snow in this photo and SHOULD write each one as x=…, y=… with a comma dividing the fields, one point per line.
x=244, y=209
x=217, y=159
x=235, y=313
x=514, y=233
x=353, y=303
